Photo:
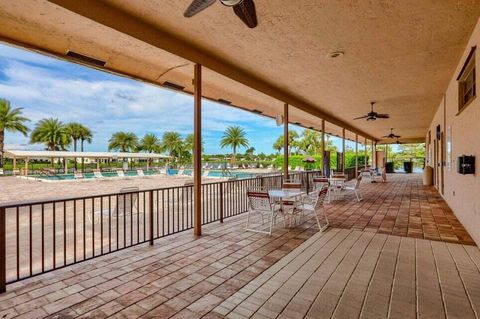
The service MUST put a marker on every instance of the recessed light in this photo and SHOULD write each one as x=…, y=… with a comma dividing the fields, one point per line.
x=336, y=54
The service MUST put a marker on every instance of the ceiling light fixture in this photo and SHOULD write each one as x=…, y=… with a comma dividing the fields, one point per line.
x=336, y=54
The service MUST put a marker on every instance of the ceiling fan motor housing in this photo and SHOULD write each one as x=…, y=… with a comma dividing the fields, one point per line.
x=230, y=3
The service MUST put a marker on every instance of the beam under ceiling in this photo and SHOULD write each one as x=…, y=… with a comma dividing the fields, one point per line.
x=120, y=21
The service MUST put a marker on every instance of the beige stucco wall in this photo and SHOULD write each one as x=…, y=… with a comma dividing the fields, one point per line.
x=462, y=192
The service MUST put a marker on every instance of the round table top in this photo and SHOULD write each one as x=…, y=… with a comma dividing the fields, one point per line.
x=284, y=193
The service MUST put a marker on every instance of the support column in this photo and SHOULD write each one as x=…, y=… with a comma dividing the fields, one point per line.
x=26, y=166
x=14, y=165
x=373, y=156
x=322, y=148
x=98, y=164
x=356, y=155
x=386, y=154
x=65, y=163
x=285, y=140
x=343, y=150
x=197, y=150
x=365, y=151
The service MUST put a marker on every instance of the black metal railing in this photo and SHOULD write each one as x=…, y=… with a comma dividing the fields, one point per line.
x=38, y=237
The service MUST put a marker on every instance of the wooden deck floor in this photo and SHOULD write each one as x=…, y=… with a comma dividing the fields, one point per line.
x=355, y=274
x=362, y=270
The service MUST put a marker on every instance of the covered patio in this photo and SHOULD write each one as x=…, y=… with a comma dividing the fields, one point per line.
x=399, y=252
x=406, y=258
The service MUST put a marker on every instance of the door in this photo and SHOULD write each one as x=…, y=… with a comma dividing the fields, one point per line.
x=442, y=162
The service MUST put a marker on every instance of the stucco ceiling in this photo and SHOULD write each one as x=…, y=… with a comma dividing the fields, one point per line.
x=401, y=54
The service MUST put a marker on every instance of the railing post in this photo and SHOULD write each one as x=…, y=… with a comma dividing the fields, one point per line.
x=151, y=217
x=308, y=182
x=3, y=252
x=221, y=202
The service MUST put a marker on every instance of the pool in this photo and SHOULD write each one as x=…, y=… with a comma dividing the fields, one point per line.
x=66, y=177
x=188, y=172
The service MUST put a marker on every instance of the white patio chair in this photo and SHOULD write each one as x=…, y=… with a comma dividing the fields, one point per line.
x=355, y=189
x=259, y=203
x=1, y=172
x=290, y=205
x=313, y=203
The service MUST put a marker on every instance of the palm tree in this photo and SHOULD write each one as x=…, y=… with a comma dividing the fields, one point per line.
x=234, y=137
x=50, y=132
x=172, y=142
x=292, y=142
x=311, y=142
x=85, y=136
x=11, y=120
x=78, y=132
x=150, y=144
x=123, y=142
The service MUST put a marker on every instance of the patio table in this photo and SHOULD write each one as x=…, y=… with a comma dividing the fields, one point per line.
x=286, y=194
x=336, y=186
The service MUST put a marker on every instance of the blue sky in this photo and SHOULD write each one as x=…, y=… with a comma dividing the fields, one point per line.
x=47, y=87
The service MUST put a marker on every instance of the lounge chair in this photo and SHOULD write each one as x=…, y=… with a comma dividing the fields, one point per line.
x=205, y=173
x=78, y=175
x=125, y=205
x=1, y=171
x=98, y=174
x=162, y=171
x=120, y=173
x=180, y=172
x=141, y=173
x=16, y=172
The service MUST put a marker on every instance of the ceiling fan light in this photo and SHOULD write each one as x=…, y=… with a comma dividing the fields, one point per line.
x=230, y=3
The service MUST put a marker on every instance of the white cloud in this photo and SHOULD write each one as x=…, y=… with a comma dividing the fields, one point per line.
x=107, y=104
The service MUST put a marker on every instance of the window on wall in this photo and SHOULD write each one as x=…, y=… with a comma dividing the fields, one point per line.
x=467, y=82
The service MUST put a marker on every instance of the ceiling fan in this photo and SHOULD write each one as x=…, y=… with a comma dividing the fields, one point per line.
x=244, y=9
x=372, y=115
x=391, y=135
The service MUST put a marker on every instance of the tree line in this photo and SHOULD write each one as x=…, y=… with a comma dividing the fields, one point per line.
x=59, y=136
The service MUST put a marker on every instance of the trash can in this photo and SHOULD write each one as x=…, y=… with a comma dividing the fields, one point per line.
x=408, y=167
x=428, y=176
x=389, y=167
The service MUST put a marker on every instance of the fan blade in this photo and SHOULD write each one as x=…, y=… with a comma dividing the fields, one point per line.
x=196, y=6
x=361, y=117
x=386, y=136
x=383, y=116
x=396, y=136
x=245, y=10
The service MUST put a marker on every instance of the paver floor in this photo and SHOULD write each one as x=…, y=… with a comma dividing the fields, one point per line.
x=359, y=267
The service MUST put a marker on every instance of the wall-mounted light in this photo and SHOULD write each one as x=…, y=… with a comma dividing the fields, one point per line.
x=279, y=119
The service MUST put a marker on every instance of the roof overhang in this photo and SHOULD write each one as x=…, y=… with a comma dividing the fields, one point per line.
x=401, y=54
